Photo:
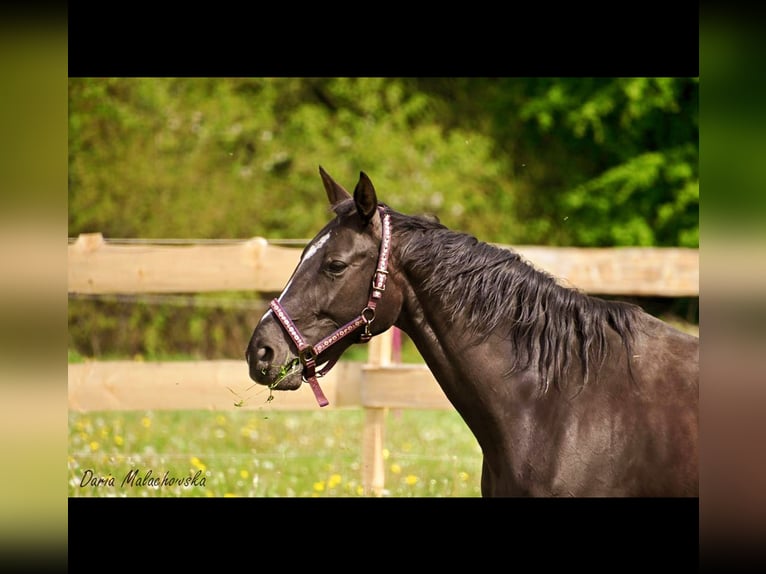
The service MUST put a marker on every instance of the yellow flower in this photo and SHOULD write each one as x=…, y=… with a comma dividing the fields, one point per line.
x=411, y=479
x=243, y=473
x=229, y=495
x=319, y=486
x=335, y=480
x=360, y=490
x=198, y=464
x=386, y=453
x=220, y=420
x=94, y=446
x=118, y=440
x=146, y=422
x=396, y=469
x=463, y=476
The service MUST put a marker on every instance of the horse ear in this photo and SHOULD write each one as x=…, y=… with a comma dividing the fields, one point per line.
x=365, y=198
x=335, y=192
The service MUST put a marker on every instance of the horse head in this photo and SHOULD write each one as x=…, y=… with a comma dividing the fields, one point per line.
x=337, y=296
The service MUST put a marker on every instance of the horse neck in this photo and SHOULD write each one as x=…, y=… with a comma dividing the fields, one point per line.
x=467, y=374
x=448, y=344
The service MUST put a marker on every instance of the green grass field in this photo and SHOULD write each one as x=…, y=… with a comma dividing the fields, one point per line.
x=279, y=454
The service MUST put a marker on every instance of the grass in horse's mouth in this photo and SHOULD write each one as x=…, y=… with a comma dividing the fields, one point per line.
x=284, y=371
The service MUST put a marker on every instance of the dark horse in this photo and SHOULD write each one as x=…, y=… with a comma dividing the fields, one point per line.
x=567, y=394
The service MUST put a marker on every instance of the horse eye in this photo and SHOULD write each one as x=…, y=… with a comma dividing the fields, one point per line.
x=336, y=266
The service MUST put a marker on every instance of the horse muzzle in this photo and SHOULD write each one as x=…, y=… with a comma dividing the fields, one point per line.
x=266, y=370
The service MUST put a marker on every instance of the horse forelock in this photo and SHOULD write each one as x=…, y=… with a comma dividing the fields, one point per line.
x=491, y=288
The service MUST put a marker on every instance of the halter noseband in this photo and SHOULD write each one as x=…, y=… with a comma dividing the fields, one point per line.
x=307, y=353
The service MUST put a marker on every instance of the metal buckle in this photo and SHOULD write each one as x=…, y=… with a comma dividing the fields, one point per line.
x=383, y=281
x=307, y=354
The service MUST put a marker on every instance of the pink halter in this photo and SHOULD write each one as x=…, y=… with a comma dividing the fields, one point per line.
x=307, y=353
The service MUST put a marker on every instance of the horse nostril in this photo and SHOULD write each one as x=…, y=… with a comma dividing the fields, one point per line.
x=259, y=361
x=264, y=355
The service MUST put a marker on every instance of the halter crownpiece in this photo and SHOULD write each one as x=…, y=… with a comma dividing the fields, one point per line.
x=308, y=354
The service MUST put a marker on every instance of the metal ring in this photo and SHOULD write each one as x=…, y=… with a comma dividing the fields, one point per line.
x=307, y=354
x=364, y=317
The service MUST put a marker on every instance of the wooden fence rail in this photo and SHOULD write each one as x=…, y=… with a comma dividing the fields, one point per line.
x=218, y=385
x=97, y=267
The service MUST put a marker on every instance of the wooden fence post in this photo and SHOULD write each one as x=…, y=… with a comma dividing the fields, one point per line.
x=373, y=464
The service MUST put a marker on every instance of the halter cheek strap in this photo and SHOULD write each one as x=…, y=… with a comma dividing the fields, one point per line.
x=308, y=353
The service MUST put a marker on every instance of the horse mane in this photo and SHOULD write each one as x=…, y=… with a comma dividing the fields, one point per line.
x=490, y=287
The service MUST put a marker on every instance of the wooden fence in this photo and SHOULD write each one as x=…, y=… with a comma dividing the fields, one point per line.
x=95, y=266
x=99, y=267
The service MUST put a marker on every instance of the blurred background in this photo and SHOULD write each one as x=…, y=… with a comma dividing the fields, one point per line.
x=550, y=161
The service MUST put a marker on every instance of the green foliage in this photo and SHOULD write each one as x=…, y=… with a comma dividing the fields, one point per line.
x=641, y=186
x=239, y=158
x=585, y=161
x=158, y=331
x=650, y=199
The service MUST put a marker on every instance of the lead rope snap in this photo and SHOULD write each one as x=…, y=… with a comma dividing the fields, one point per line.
x=366, y=335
